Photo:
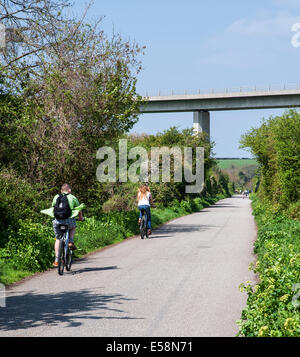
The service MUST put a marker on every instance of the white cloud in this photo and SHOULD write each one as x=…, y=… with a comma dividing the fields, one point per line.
x=287, y=3
x=250, y=41
x=265, y=27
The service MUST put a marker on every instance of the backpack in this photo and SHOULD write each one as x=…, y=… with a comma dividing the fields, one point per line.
x=62, y=209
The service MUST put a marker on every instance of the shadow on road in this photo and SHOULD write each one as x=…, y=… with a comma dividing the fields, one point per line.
x=86, y=270
x=159, y=236
x=72, y=307
x=170, y=230
x=220, y=205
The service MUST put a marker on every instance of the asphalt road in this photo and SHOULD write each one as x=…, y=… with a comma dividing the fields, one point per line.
x=181, y=282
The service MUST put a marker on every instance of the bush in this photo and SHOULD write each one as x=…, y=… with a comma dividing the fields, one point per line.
x=270, y=309
x=275, y=144
x=186, y=205
x=19, y=200
x=93, y=234
x=163, y=193
x=294, y=211
x=119, y=203
x=30, y=248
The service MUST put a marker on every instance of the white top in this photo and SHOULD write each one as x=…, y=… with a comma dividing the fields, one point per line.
x=144, y=201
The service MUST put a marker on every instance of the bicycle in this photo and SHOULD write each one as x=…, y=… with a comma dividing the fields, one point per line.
x=143, y=225
x=65, y=254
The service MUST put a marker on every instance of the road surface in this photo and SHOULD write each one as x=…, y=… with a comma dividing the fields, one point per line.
x=181, y=282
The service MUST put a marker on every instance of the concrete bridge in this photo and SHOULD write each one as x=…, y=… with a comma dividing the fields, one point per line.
x=202, y=104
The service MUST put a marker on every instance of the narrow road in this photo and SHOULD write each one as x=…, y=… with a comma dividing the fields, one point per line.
x=181, y=282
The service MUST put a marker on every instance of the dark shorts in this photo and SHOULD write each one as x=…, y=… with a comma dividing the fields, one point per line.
x=71, y=222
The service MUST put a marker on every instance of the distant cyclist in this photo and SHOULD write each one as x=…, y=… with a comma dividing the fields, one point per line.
x=144, y=199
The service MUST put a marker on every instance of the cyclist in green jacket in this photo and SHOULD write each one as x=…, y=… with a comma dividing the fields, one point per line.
x=75, y=208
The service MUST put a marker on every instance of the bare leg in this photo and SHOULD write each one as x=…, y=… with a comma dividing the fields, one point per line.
x=56, y=248
x=72, y=234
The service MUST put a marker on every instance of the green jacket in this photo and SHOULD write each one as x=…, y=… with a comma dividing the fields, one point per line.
x=75, y=206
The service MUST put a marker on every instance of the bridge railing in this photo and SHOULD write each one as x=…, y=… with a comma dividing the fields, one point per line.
x=241, y=89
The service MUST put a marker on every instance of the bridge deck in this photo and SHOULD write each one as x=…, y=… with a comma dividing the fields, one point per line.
x=223, y=95
x=222, y=101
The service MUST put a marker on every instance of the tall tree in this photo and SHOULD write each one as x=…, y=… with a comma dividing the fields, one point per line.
x=66, y=89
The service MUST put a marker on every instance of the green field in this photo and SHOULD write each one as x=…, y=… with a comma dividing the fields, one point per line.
x=228, y=163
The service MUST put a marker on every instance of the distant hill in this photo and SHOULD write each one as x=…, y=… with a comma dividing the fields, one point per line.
x=240, y=171
x=228, y=163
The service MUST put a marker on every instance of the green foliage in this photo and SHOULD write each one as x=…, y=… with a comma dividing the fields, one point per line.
x=276, y=146
x=19, y=200
x=51, y=129
x=270, y=310
x=173, y=137
x=30, y=247
x=93, y=234
x=122, y=196
x=119, y=202
x=294, y=211
x=163, y=193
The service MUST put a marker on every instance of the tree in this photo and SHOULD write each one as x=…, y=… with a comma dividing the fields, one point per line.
x=68, y=88
x=31, y=27
x=276, y=146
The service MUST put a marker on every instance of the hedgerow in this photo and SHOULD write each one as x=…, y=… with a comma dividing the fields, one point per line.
x=273, y=306
x=276, y=147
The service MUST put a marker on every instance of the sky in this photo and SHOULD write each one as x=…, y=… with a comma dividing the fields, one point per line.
x=200, y=44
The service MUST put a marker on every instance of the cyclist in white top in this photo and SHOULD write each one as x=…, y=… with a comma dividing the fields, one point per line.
x=144, y=199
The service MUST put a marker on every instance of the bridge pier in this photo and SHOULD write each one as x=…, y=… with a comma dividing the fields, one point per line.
x=201, y=122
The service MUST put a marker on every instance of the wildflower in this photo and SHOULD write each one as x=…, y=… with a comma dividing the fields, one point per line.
x=263, y=331
x=290, y=323
x=284, y=298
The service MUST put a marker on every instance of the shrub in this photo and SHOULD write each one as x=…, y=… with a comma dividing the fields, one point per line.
x=186, y=205
x=270, y=310
x=275, y=144
x=119, y=203
x=93, y=234
x=19, y=200
x=31, y=247
x=294, y=211
x=164, y=193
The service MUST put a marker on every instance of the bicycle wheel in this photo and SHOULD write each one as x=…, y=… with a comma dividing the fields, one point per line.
x=61, y=260
x=69, y=259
